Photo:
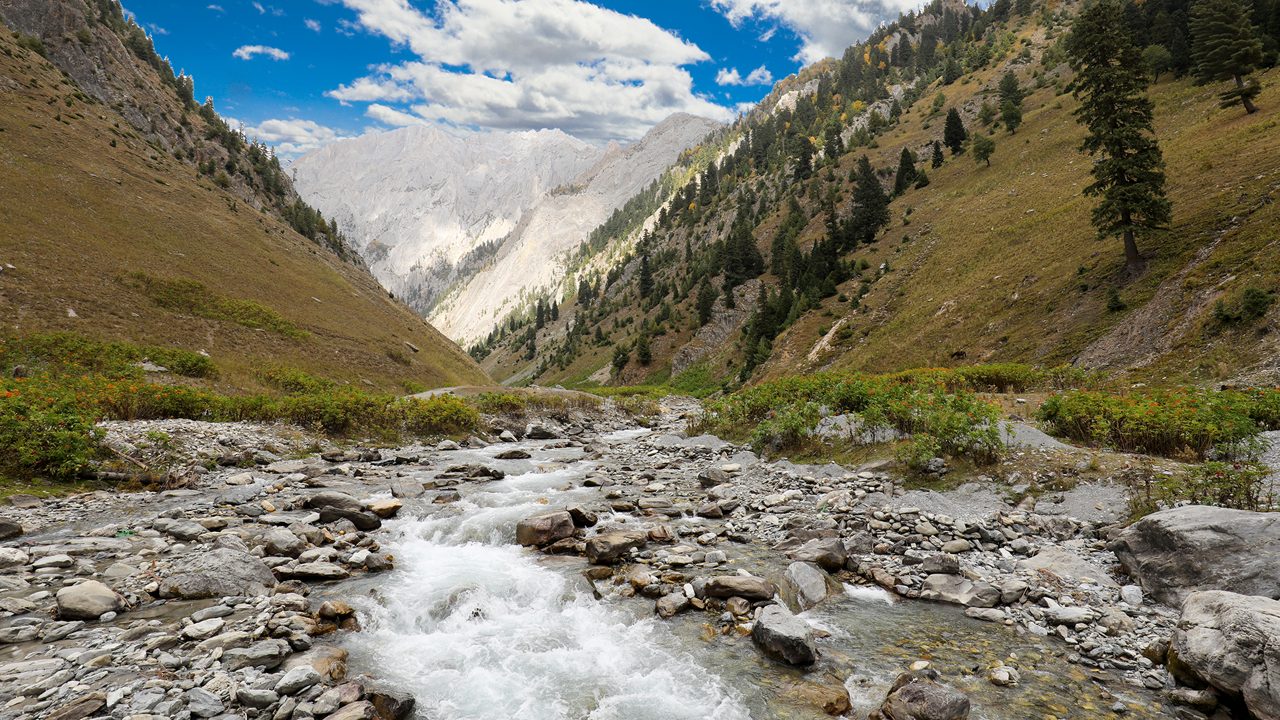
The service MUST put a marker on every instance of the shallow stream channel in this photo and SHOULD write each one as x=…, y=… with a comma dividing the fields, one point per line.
x=476, y=626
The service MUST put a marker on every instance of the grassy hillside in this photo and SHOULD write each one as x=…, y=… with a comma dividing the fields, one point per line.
x=108, y=236
x=983, y=264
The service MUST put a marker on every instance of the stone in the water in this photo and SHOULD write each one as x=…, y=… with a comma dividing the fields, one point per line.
x=362, y=519
x=959, y=590
x=363, y=710
x=544, y=529
x=669, y=605
x=582, y=517
x=919, y=696
x=808, y=582
x=1173, y=553
x=743, y=586
x=390, y=704
x=1229, y=641
x=785, y=637
x=515, y=454
x=87, y=601
x=333, y=499
x=385, y=508
x=608, y=548
x=827, y=553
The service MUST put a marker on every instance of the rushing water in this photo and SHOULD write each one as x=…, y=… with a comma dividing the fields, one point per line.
x=477, y=627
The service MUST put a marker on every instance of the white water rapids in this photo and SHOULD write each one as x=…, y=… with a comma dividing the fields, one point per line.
x=477, y=627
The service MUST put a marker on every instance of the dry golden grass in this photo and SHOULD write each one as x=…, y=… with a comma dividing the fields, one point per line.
x=84, y=204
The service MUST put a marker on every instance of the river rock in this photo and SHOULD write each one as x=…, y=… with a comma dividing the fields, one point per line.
x=362, y=519
x=1229, y=641
x=671, y=604
x=941, y=564
x=608, y=548
x=202, y=703
x=1066, y=564
x=385, y=508
x=827, y=553
x=12, y=557
x=267, y=654
x=918, y=695
x=87, y=601
x=960, y=591
x=363, y=710
x=82, y=707
x=218, y=572
x=743, y=586
x=333, y=499
x=808, y=582
x=297, y=679
x=1173, y=553
x=785, y=637
x=9, y=529
x=544, y=529
x=390, y=704
x=282, y=542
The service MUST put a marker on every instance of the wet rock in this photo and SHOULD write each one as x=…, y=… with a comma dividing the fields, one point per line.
x=87, y=601
x=940, y=564
x=297, y=679
x=219, y=572
x=1228, y=641
x=385, y=508
x=390, y=704
x=828, y=554
x=515, y=454
x=536, y=431
x=281, y=542
x=544, y=529
x=743, y=586
x=1004, y=676
x=611, y=547
x=1173, y=553
x=831, y=697
x=919, y=696
x=19, y=634
x=783, y=636
x=314, y=571
x=328, y=660
x=363, y=710
x=1203, y=700
x=582, y=517
x=808, y=582
x=671, y=604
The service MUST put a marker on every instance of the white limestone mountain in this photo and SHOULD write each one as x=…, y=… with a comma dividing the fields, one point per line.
x=464, y=225
x=414, y=202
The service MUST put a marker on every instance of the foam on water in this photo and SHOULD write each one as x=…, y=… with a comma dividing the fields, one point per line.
x=869, y=593
x=476, y=628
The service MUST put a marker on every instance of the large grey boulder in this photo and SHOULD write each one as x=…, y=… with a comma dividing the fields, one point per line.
x=544, y=529
x=609, y=548
x=807, y=583
x=919, y=696
x=1231, y=642
x=87, y=601
x=783, y=636
x=1176, y=552
x=217, y=573
x=827, y=553
x=959, y=590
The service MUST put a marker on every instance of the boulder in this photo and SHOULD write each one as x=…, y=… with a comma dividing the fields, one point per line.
x=1068, y=565
x=385, y=508
x=282, y=542
x=941, y=564
x=390, y=704
x=1228, y=641
x=1173, y=553
x=959, y=590
x=362, y=519
x=783, y=636
x=363, y=710
x=9, y=529
x=919, y=696
x=544, y=529
x=87, y=601
x=672, y=603
x=333, y=499
x=219, y=572
x=743, y=586
x=267, y=654
x=609, y=548
x=807, y=582
x=827, y=553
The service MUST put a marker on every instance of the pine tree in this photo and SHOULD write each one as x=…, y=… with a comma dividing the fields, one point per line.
x=1022, y=7
x=1224, y=46
x=1157, y=59
x=870, y=204
x=1111, y=85
x=644, y=353
x=951, y=71
x=646, y=275
x=621, y=356
x=937, y=160
x=983, y=147
x=1010, y=101
x=953, y=133
x=906, y=172
x=706, y=301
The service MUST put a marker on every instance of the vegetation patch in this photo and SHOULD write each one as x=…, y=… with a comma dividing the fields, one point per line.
x=68, y=353
x=1239, y=485
x=1177, y=423
x=189, y=296
x=784, y=415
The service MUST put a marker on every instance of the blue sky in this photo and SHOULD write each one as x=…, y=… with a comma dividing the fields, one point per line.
x=301, y=73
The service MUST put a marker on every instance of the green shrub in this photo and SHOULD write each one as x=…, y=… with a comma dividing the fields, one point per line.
x=71, y=354
x=1245, y=308
x=189, y=296
x=1174, y=423
x=1243, y=486
x=44, y=436
x=293, y=381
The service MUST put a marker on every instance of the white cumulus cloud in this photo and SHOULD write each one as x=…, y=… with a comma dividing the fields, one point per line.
x=249, y=52
x=825, y=27
x=524, y=64
x=312, y=25
x=291, y=137
x=731, y=76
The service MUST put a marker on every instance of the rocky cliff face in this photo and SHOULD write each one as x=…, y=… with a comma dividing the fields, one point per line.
x=418, y=201
x=534, y=255
x=462, y=226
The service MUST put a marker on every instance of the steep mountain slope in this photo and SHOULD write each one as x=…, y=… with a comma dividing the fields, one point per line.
x=115, y=228
x=416, y=202
x=533, y=257
x=981, y=263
